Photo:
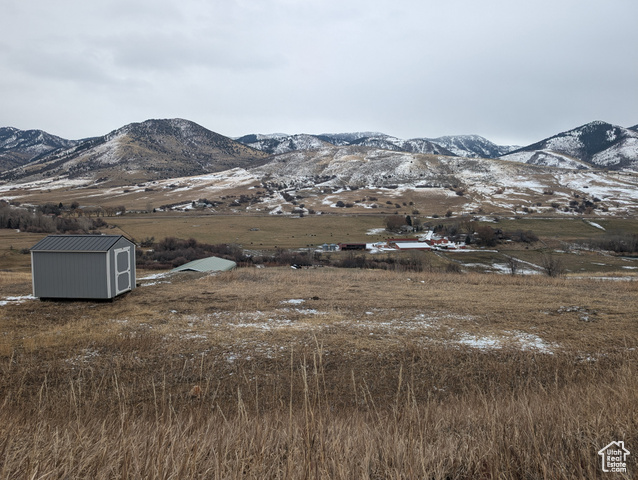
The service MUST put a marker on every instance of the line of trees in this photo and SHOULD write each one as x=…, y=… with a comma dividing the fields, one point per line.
x=172, y=252
x=618, y=243
x=46, y=219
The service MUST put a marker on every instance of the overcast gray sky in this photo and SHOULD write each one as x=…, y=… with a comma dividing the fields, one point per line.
x=514, y=72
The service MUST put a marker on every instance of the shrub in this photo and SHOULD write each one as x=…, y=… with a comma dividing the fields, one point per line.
x=524, y=236
x=486, y=236
x=171, y=252
x=552, y=266
x=394, y=223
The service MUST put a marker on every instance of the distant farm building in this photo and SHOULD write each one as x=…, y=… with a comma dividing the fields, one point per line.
x=401, y=240
x=210, y=264
x=83, y=266
x=352, y=246
x=411, y=245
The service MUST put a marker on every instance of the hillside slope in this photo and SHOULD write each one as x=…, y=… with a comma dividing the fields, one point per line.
x=596, y=144
x=367, y=166
x=18, y=147
x=471, y=146
x=150, y=150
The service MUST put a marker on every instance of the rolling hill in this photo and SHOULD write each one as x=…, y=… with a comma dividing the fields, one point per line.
x=596, y=144
x=154, y=149
x=471, y=146
x=18, y=147
x=176, y=148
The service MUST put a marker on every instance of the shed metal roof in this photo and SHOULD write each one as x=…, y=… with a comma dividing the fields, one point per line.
x=210, y=264
x=76, y=243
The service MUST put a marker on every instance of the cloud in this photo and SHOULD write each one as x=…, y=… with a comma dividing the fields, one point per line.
x=509, y=71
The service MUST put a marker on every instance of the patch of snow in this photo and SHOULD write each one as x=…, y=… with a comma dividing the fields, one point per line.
x=529, y=341
x=482, y=343
x=156, y=276
x=11, y=300
x=525, y=341
x=595, y=225
x=294, y=301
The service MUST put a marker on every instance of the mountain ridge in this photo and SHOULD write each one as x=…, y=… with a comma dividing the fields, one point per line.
x=152, y=149
x=596, y=144
x=18, y=147
x=170, y=148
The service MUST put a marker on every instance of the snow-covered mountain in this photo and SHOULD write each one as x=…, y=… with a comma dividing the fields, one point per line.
x=143, y=151
x=359, y=166
x=160, y=149
x=278, y=143
x=473, y=146
x=596, y=144
x=18, y=147
x=341, y=139
x=416, y=145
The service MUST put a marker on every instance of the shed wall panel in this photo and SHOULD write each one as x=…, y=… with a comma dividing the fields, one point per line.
x=70, y=275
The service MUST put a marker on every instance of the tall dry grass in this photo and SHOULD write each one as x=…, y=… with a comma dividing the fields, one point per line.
x=106, y=390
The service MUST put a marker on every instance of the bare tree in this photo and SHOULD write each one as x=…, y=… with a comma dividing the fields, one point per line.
x=552, y=265
x=514, y=265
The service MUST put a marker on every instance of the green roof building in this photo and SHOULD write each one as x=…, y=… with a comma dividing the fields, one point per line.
x=210, y=264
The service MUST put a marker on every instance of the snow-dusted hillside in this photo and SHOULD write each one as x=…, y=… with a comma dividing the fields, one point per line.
x=341, y=139
x=157, y=149
x=473, y=146
x=141, y=151
x=416, y=145
x=598, y=144
x=18, y=147
x=275, y=144
x=546, y=158
x=364, y=166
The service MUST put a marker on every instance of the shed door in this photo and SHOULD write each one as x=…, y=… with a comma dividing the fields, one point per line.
x=122, y=270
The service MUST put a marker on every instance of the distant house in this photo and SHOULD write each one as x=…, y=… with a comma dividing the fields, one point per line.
x=209, y=264
x=83, y=266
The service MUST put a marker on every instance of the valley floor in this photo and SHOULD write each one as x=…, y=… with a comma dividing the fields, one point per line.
x=320, y=373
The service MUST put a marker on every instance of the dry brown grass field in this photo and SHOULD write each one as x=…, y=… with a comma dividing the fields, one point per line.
x=320, y=373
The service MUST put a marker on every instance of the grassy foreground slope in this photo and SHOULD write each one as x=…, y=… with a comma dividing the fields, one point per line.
x=320, y=373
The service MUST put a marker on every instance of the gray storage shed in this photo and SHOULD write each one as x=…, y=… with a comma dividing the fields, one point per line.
x=83, y=266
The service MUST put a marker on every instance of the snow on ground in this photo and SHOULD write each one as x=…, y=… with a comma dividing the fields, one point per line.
x=155, y=276
x=504, y=268
x=294, y=301
x=155, y=279
x=52, y=183
x=524, y=341
x=437, y=327
x=595, y=225
x=12, y=300
x=234, y=177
